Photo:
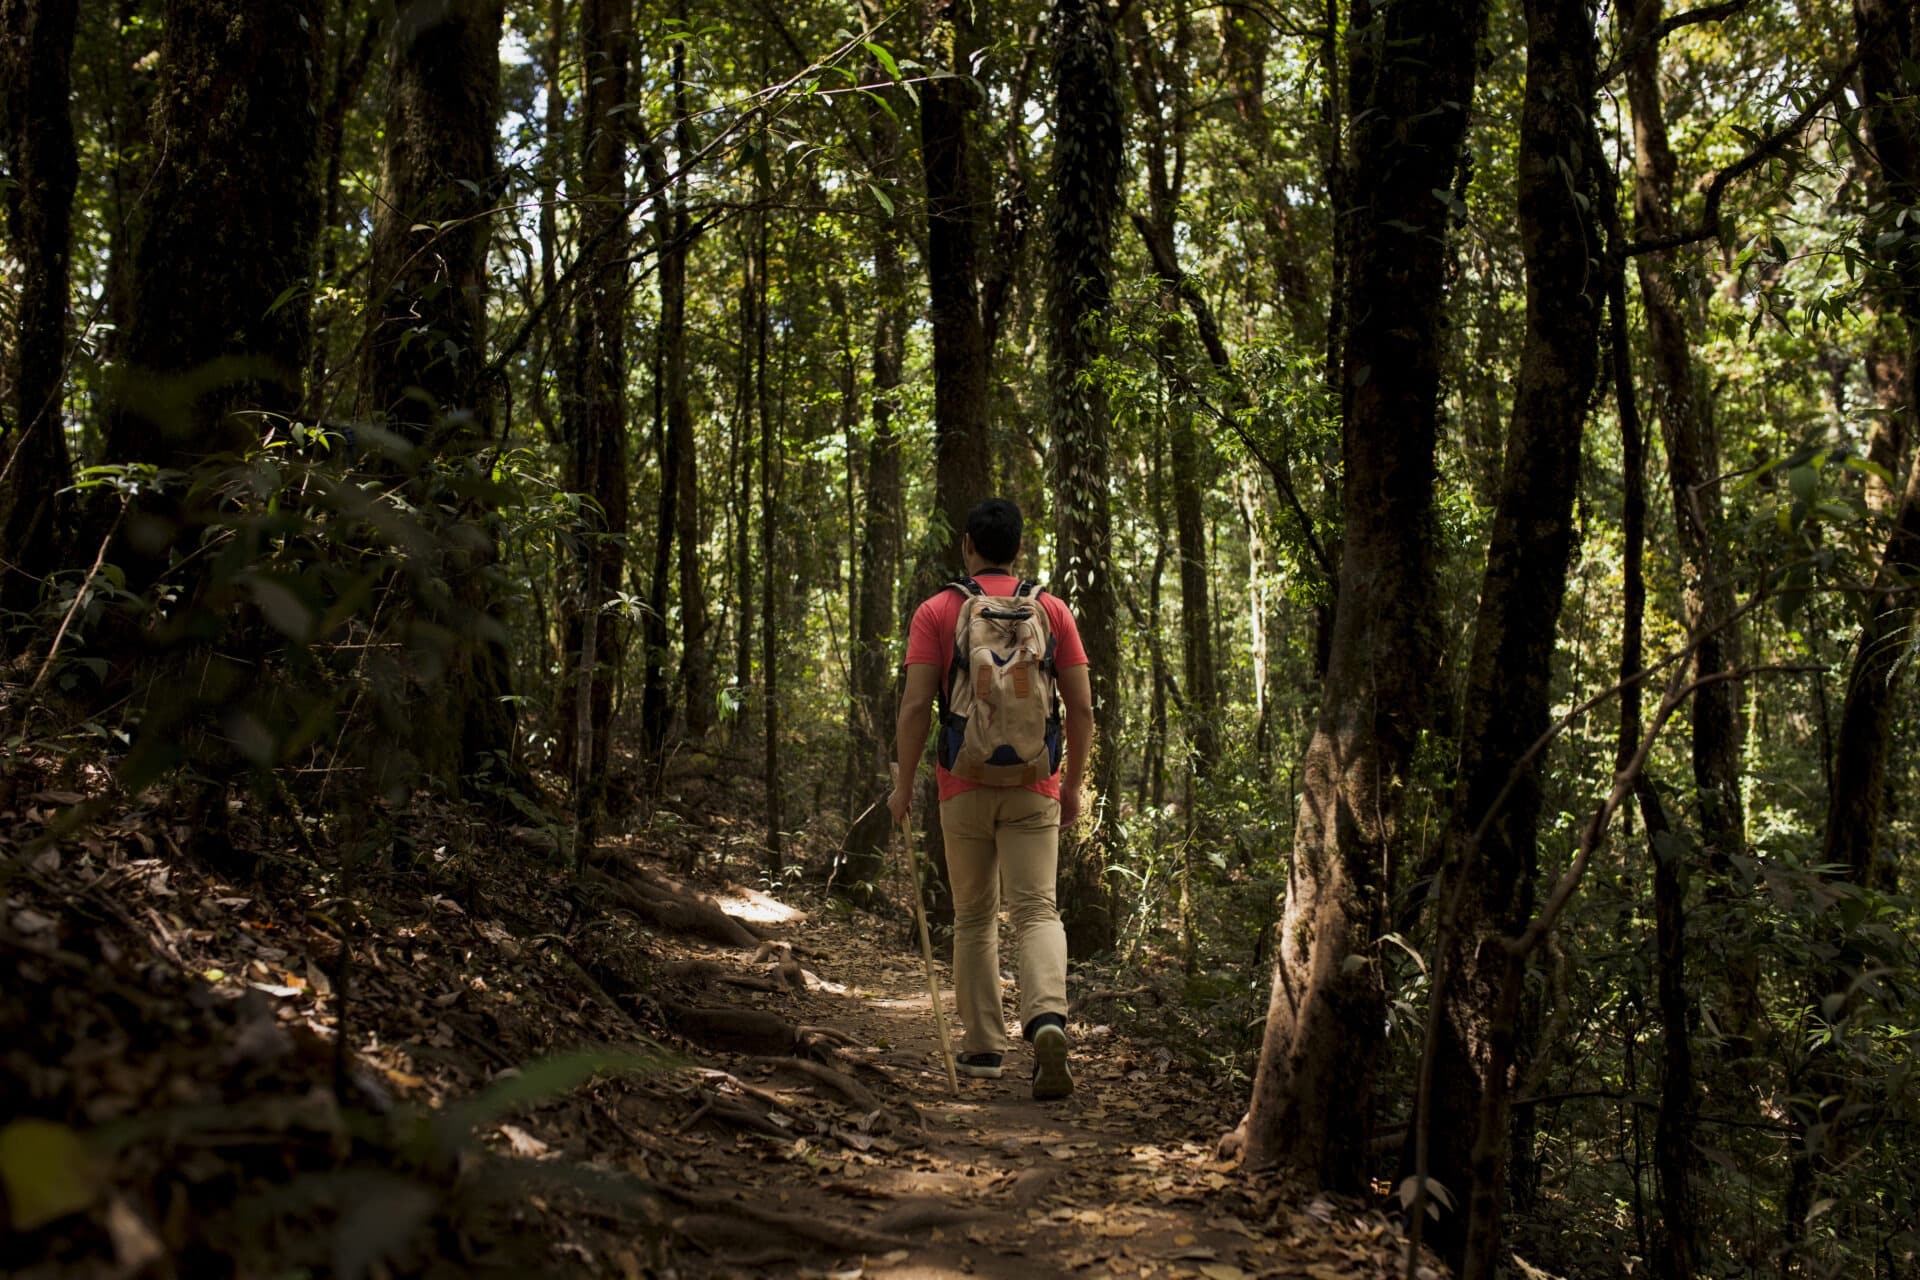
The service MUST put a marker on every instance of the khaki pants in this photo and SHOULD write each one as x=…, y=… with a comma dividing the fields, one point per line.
x=1004, y=841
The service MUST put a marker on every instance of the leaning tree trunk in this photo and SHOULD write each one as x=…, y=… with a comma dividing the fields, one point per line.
x=424, y=370
x=1085, y=187
x=36, y=130
x=1492, y=856
x=1889, y=44
x=594, y=412
x=1313, y=1089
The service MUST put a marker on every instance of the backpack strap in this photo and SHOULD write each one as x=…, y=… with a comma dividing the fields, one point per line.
x=1027, y=587
x=968, y=585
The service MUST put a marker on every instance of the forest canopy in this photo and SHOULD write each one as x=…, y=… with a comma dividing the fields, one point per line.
x=1478, y=442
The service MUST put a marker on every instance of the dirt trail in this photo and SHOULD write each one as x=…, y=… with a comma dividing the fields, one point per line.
x=1116, y=1180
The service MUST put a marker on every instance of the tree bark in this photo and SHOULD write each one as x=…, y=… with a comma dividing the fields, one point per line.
x=424, y=369
x=881, y=534
x=696, y=670
x=1492, y=857
x=1084, y=197
x=1312, y=1092
x=1693, y=454
x=1886, y=31
x=769, y=576
x=594, y=415
x=1675, y=1251
x=204, y=342
x=36, y=130
x=958, y=201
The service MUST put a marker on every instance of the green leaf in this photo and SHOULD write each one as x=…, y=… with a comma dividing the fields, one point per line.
x=1801, y=481
x=47, y=1172
x=885, y=59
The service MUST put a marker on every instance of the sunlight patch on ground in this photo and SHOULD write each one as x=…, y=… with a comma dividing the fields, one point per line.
x=756, y=907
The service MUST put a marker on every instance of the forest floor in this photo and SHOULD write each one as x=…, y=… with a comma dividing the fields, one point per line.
x=177, y=1098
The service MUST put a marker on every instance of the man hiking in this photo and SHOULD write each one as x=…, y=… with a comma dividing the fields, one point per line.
x=1001, y=656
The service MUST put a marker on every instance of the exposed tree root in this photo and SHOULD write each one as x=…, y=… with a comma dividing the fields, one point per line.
x=846, y=1086
x=673, y=909
x=842, y=1236
x=704, y=972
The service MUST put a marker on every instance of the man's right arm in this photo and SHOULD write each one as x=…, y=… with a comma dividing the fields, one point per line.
x=910, y=733
x=1076, y=691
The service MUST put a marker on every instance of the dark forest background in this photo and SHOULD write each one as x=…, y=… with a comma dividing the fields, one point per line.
x=1478, y=441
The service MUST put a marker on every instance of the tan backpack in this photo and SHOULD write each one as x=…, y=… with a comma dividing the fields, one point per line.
x=1000, y=722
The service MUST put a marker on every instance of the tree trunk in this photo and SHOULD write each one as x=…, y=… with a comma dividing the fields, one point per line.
x=424, y=371
x=595, y=411
x=1312, y=1092
x=1493, y=858
x=1165, y=149
x=349, y=56
x=958, y=201
x=36, y=130
x=1887, y=39
x=881, y=535
x=204, y=342
x=1085, y=195
x=1693, y=455
x=696, y=671
x=1675, y=1252
x=769, y=575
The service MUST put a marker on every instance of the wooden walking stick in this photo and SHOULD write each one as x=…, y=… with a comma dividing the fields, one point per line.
x=926, y=945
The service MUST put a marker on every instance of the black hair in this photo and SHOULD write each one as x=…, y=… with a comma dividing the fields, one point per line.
x=994, y=525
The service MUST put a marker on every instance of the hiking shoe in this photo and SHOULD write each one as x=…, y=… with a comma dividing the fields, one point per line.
x=1051, y=1079
x=981, y=1066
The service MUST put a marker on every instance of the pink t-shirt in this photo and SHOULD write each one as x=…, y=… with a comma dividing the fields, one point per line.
x=930, y=641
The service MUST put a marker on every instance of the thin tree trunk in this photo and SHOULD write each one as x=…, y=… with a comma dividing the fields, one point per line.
x=1676, y=1163
x=1313, y=1089
x=769, y=575
x=1085, y=185
x=1165, y=149
x=595, y=412
x=1693, y=455
x=881, y=535
x=36, y=130
x=696, y=668
x=743, y=503
x=350, y=56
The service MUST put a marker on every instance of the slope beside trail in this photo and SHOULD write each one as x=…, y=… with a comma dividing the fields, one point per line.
x=420, y=1063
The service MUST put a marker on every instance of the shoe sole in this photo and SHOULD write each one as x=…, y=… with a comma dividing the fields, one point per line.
x=1051, y=1079
x=979, y=1073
